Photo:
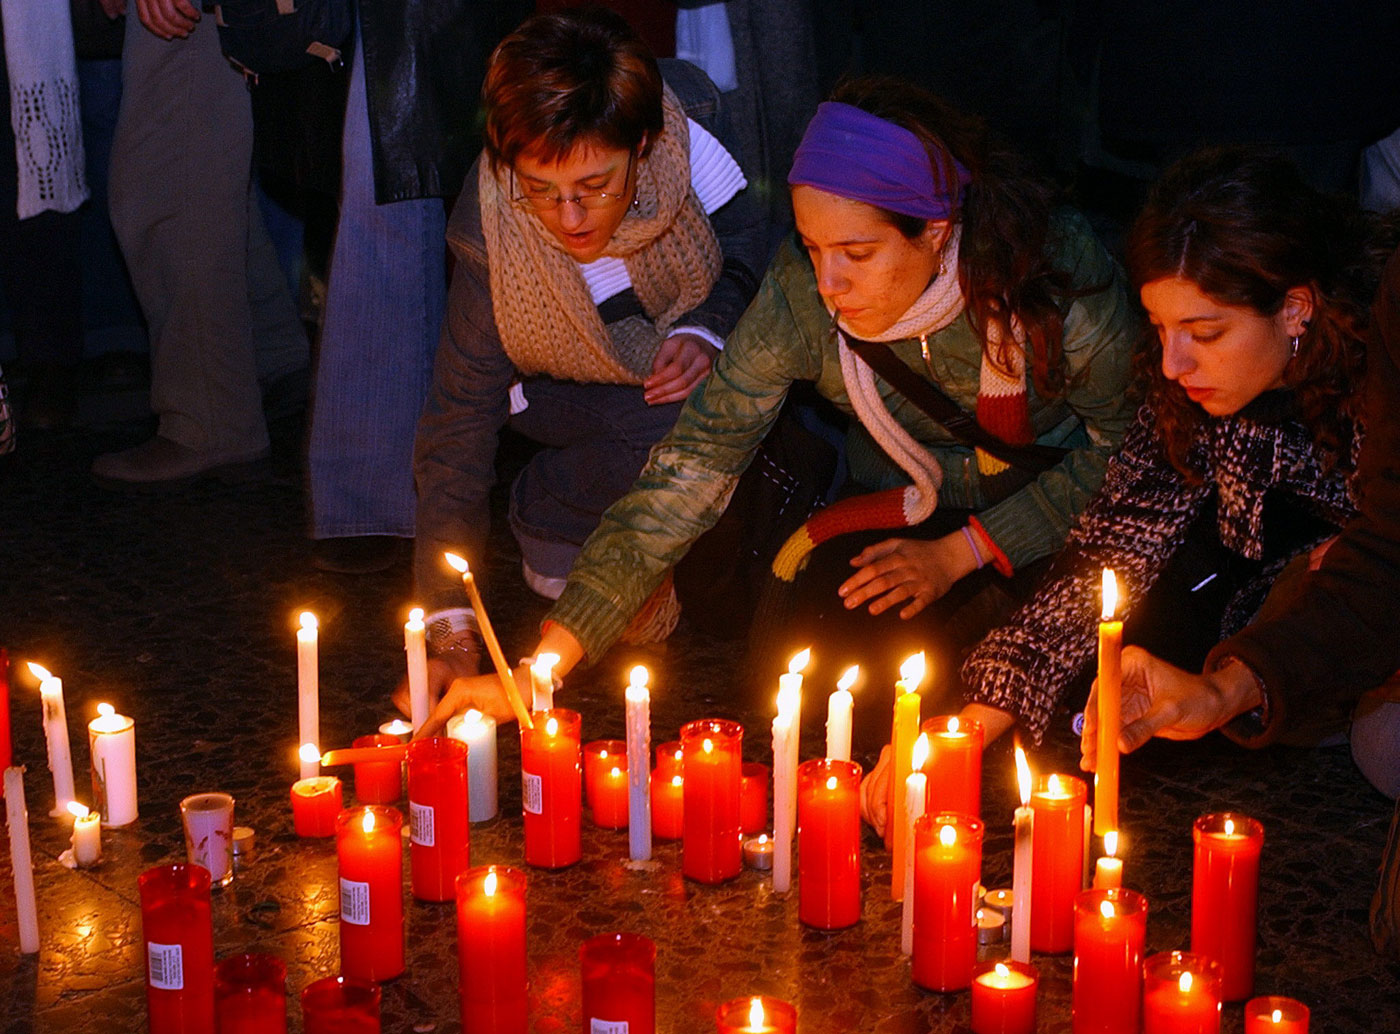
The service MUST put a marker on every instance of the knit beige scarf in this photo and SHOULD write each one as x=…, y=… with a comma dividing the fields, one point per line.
x=547, y=320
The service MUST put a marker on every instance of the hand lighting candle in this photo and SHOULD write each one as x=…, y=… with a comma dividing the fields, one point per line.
x=1110, y=698
x=308, y=696
x=905, y=730
x=488, y=636
x=415, y=645
x=1057, y=866
x=87, y=835
x=178, y=932
x=954, y=766
x=1181, y=994
x=1003, y=998
x=542, y=681
x=1224, y=897
x=369, y=850
x=619, y=983
x=753, y=797
x=1021, y=882
x=1274, y=1014
x=638, y=706
x=478, y=732
x=786, y=733
x=21, y=861
x=491, y=950
x=915, y=805
x=839, y=708
x=112, y=748
x=552, y=784
x=947, y=866
x=711, y=850
x=1110, y=928
x=828, y=842
x=56, y=737
x=438, y=819
x=757, y=1015
x=1108, y=870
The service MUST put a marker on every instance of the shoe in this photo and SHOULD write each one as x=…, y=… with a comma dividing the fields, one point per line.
x=159, y=464
x=356, y=554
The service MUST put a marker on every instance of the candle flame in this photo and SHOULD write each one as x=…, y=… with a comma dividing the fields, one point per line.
x=40, y=672
x=1229, y=827
x=798, y=663
x=415, y=616
x=106, y=710
x=488, y=885
x=1277, y=1016
x=616, y=772
x=1002, y=971
x=947, y=836
x=1110, y=843
x=920, y=752
x=763, y=838
x=680, y=755
x=309, y=752
x=1023, y=776
x=551, y=727
x=79, y=811
x=545, y=663
x=953, y=724
x=398, y=726
x=472, y=717
x=1106, y=909
x=308, y=620
x=911, y=672
x=831, y=782
x=756, y=1015
x=457, y=563
x=1184, y=983
x=1054, y=785
x=1110, y=594
x=677, y=780
x=637, y=678
x=848, y=678
x=708, y=746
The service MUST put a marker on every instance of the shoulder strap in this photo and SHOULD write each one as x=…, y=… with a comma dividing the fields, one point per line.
x=955, y=420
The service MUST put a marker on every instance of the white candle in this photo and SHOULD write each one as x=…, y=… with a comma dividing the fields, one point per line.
x=397, y=727
x=87, y=835
x=17, y=815
x=638, y=698
x=1021, y=870
x=308, y=697
x=838, y=716
x=915, y=796
x=56, y=736
x=478, y=732
x=415, y=644
x=542, y=680
x=1088, y=840
x=1108, y=871
x=112, y=747
x=785, y=751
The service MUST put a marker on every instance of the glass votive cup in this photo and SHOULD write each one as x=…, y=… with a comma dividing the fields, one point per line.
x=1003, y=997
x=378, y=782
x=756, y=1013
x=178, y=933
x=619, y=983
x=1180, y=994
x=250, y=995
x=1275, y=1014
x=207, y=819
x=340, y=1005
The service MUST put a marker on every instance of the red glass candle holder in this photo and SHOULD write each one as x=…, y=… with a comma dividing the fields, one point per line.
x=378, y=782
x=1180, y=994
x=1110, y=929
x=753, y=797
x=1057, y=860
x=828, y=843
x=250, y=995
x=756, y=1015
x=315, y=804
x=369, y=847
x=1003, y=997
x=619, y=983
x=551, y=783
x=667, y=805
x=670, y=759
x=954, y=766
x=947, y=868
x=439, y=816
x=1274, y=1014
x=179, y=939
x=491, y=950
x=710, y=847
x=340, y=1005
x=605, y=782
x=1225, y=896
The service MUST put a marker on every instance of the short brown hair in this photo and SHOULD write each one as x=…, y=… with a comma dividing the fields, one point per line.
x=563, y=79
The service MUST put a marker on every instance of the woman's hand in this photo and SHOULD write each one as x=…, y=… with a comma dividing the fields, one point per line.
x=896, y=570
x=443, y=670
x=483, y=693
x=875, y=792
x=681, y=362
x=1160, y=699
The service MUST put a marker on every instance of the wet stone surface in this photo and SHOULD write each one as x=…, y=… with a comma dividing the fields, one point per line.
x=180, y=611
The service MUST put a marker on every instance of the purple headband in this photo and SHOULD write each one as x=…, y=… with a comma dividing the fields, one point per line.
x=851, y=153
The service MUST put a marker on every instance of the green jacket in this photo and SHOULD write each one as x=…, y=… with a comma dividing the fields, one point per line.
x=785, y=336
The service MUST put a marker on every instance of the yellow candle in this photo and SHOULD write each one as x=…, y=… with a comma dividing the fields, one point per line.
x=493, y=646
x=907, y=705
x=1110, y=697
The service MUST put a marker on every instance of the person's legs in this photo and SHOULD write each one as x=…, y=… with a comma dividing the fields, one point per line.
x=1375, y=739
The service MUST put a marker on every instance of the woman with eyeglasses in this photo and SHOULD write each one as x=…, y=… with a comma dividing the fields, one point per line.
x=604, y=248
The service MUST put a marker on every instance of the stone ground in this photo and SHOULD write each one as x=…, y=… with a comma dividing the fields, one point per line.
x=180, y=611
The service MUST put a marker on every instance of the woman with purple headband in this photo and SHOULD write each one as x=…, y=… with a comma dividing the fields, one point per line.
x=916, y=233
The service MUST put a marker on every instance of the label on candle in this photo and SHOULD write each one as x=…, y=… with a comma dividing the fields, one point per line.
x=166, y=965
x=532, y=789
x=354, y=902
x=596, y=1026
x=420, y=825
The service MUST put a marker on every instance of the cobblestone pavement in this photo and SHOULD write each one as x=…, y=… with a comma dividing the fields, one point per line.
x=180, y=609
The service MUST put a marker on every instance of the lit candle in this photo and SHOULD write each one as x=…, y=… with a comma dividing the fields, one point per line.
x=378, y=781
x=335, y=1005
x=1003, y=998
x=1181, y=994
x=954, y=765
x=1110, y=698
x=87, y=835
x=21, y=861
x=56, y=736
x=670, y=758
x=711, y=848
x=552, y=788
x=905, y=730
x=1108, y=871
x=397, y=727
x=668, y=805
x=415, y=644
x=828, y=842
x=369, y=850
x=491, y=950
x=308, y=696
x=839, y=707
x=1274, y=1014
x=178, y=933
x=1023, y=864
x=637, y=698
x=1110, y=928
x=1224, y=897
x=915, y=804
x=786, y=734
x=438, y=816
x=542, y=681
x=757, y=1015
x=618, y=974
x=598, y=757
x=488, y=636
x=478, y=732
x=1057, y=870
x=315, y=804
x=758, y=852
x=753, y=797
x=947, y=866
x=112, y=748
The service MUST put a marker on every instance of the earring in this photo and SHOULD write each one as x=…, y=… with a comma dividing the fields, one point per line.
x=1293, y=346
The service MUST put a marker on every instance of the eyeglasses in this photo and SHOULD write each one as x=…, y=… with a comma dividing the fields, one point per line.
x=588, y=202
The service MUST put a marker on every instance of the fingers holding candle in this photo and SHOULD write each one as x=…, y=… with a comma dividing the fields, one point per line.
x=493, y=646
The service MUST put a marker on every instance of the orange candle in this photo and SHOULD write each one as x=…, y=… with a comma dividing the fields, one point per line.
x=604, y=763
x=491, y=950
x=711, y=850
x=1003, y=998
x=1057, y=860
x=667, y=804
x=551, y=783
x=905, y=731
x=1180, y=994
x=828, y=842
x=438, y=816
x=947, y=868
x=1110, y=698
x=1224, y=897
x=1110, y=929
x=954, y=766
x=369, y=849
x=757, y=1015
x=315, y=804
x=1274, y=1014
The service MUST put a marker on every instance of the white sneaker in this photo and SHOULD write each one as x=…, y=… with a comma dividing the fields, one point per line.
x=549, y=588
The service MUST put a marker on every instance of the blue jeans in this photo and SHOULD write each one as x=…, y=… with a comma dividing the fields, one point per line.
x=384, y=308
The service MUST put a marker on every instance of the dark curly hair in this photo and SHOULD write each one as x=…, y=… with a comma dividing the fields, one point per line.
x=1241, y=224
x=1002, y=263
